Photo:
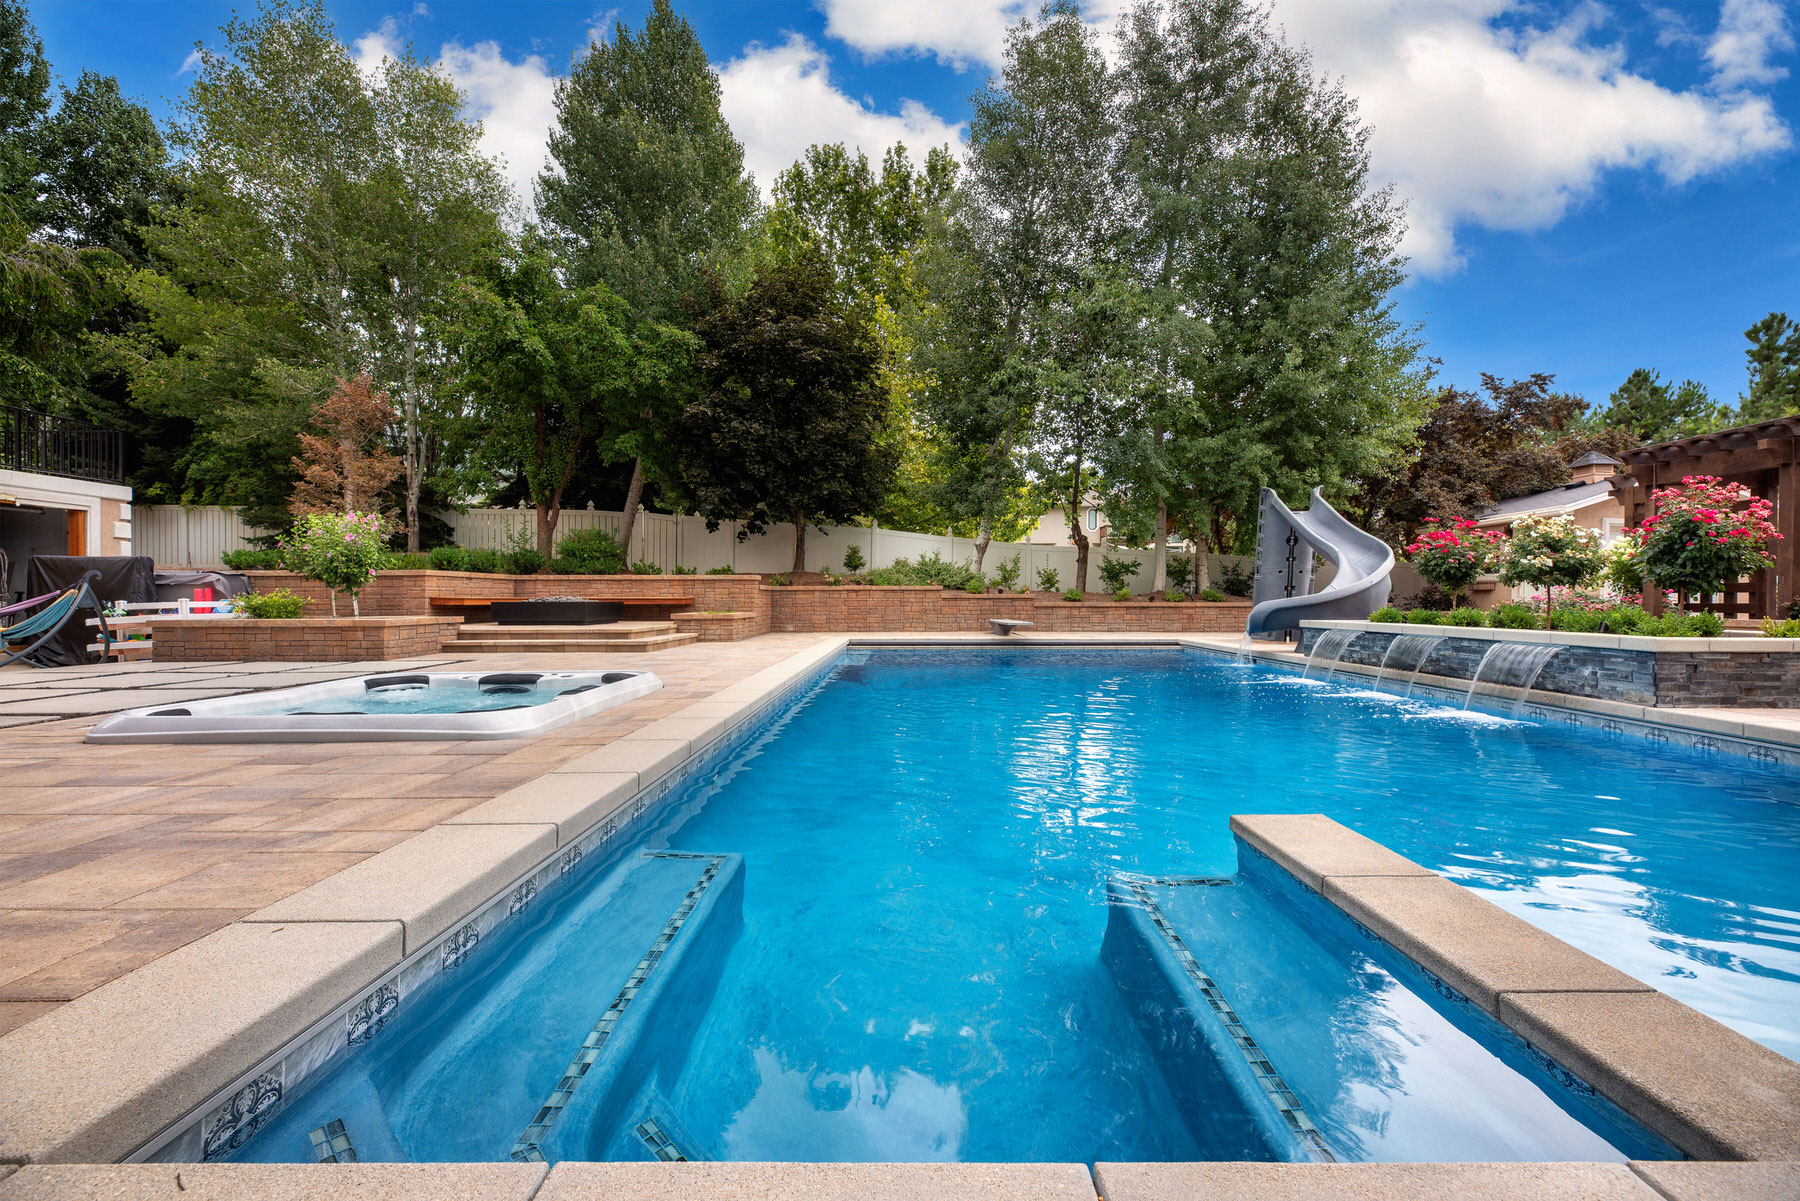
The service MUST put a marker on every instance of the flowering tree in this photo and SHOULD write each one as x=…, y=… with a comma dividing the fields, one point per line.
x=1624, y=571
x=1551, y=551
x=1698, y=539
x=1452, y=553
x=340, y=550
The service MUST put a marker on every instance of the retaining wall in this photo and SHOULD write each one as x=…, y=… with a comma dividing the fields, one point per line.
x=300, y=639
x=1731, y=673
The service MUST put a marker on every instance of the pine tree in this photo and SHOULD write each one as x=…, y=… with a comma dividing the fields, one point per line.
x=1774, y=356
x=345, y=467
x=1651, y=410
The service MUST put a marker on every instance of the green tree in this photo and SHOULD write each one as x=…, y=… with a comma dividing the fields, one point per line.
x=1774, y=355
x=1029, y=215
x=434, y=206
x=1244, y=184
x=646, y=192
x=48, y=293
x=542, y=361
x=788, y=424
x=105, y=168
x=24, y=99
x=1651, y=410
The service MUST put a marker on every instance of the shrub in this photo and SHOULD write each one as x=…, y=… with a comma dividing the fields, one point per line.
x=779, y=579
x=449, y=558
x=1512, y=616
x=252, y=560
x=930, y=569
x=1682, y=625
x=1181, y=571
x=1623, y=572
x=1117, y=573
x=1048, y=580
x=525, y=560
x=1698, y=540
x=853, y=559
x=1075, y=594
x=281, y=603
x=1173, y=597
x=1772, y=628
x=340, y=550
x=1235, y=580
x=488, y=562
x=1211, y=594
x=405, y=561
x=678, y=569
x=1007, y=574
x=1387, y=614
x=590, y=552
x=1425, y=617
x=1548, y=551
x=724, y=569
x=1122, y=595
x=1466, y=615
x=832, y=578
x=645, y=567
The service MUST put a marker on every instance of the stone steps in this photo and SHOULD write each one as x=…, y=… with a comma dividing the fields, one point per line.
x=568, y=645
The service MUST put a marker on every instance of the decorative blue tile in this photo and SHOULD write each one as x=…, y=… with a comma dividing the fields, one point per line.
x=459, y=946
x=370, y=1014
x=331, y=1143
x=247, y=1110
x=522, y=898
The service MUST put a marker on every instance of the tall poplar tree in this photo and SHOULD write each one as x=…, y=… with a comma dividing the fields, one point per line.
x=647, y=190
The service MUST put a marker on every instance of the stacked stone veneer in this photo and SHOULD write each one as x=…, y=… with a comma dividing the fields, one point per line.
x=1742, y=679
x=756, y=608
x=298, y=640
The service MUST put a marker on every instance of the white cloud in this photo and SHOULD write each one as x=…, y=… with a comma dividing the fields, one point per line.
x=1505, y=126
x=514, y=101
x=1751, y=32
x=780, y=100
x=190, y=63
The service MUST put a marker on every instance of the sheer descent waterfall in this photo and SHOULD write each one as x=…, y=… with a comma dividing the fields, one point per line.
x=1519, y=662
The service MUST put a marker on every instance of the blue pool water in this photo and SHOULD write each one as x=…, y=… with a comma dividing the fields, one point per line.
x=900, y=955
x=449, y=697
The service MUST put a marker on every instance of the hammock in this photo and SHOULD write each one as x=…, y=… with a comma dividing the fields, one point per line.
x=43, y=626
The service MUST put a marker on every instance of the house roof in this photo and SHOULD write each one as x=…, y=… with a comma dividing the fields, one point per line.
x=1565, y=499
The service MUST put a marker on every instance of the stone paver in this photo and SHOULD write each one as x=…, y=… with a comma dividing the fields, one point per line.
x=1687, y=1181
x=111, y=856
x=817, y=1182
x=276, y=1182
x=1369, y=1182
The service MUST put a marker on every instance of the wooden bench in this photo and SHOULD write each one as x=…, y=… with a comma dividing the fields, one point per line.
x=630, y=602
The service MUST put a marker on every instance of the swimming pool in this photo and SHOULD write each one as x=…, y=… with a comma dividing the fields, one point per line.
x=886, y=924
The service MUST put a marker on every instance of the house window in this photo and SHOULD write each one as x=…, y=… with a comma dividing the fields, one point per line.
x=1611, y=529
x=1093, y=519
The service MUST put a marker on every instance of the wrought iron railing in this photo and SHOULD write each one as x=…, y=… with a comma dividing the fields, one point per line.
x=50, y=445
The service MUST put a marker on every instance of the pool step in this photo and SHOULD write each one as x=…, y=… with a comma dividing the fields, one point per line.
x=621, y=637
x=1334, y=1046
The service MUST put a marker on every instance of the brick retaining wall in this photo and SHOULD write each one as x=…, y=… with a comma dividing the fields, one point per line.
x=1676, y=678
x=719, y=627
x=300, y=639
x=850, y=608
x=797, y=608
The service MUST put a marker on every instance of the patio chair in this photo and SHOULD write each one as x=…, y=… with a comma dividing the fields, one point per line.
x=41, y=627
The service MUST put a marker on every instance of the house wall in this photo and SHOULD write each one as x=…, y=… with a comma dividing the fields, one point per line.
x=106, y=519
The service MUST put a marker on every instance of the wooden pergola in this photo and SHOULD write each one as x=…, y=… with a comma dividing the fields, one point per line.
x=1765, y=459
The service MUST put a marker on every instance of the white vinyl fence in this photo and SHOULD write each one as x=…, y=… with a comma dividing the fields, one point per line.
x=197, y=536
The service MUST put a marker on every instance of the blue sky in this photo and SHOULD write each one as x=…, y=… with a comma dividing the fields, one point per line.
x=1592, y=187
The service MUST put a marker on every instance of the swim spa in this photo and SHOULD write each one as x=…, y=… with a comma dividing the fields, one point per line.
x=898, y=919
x=392, y=707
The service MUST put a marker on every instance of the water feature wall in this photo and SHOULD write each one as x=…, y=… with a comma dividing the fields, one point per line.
x=1678, y=677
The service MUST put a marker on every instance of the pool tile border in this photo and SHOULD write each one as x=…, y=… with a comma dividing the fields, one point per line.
x=1711, y=1092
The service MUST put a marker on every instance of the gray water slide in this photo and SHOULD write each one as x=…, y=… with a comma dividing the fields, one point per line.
x=1286, y=542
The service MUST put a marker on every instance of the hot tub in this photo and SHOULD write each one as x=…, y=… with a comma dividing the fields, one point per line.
x=388, y=708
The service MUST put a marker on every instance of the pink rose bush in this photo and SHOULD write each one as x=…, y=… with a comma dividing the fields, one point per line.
x=1704, y=534
x=340, y=550
x=1453, y=552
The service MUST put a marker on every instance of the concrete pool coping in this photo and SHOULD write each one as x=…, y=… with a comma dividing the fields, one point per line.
x=73, y=1097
